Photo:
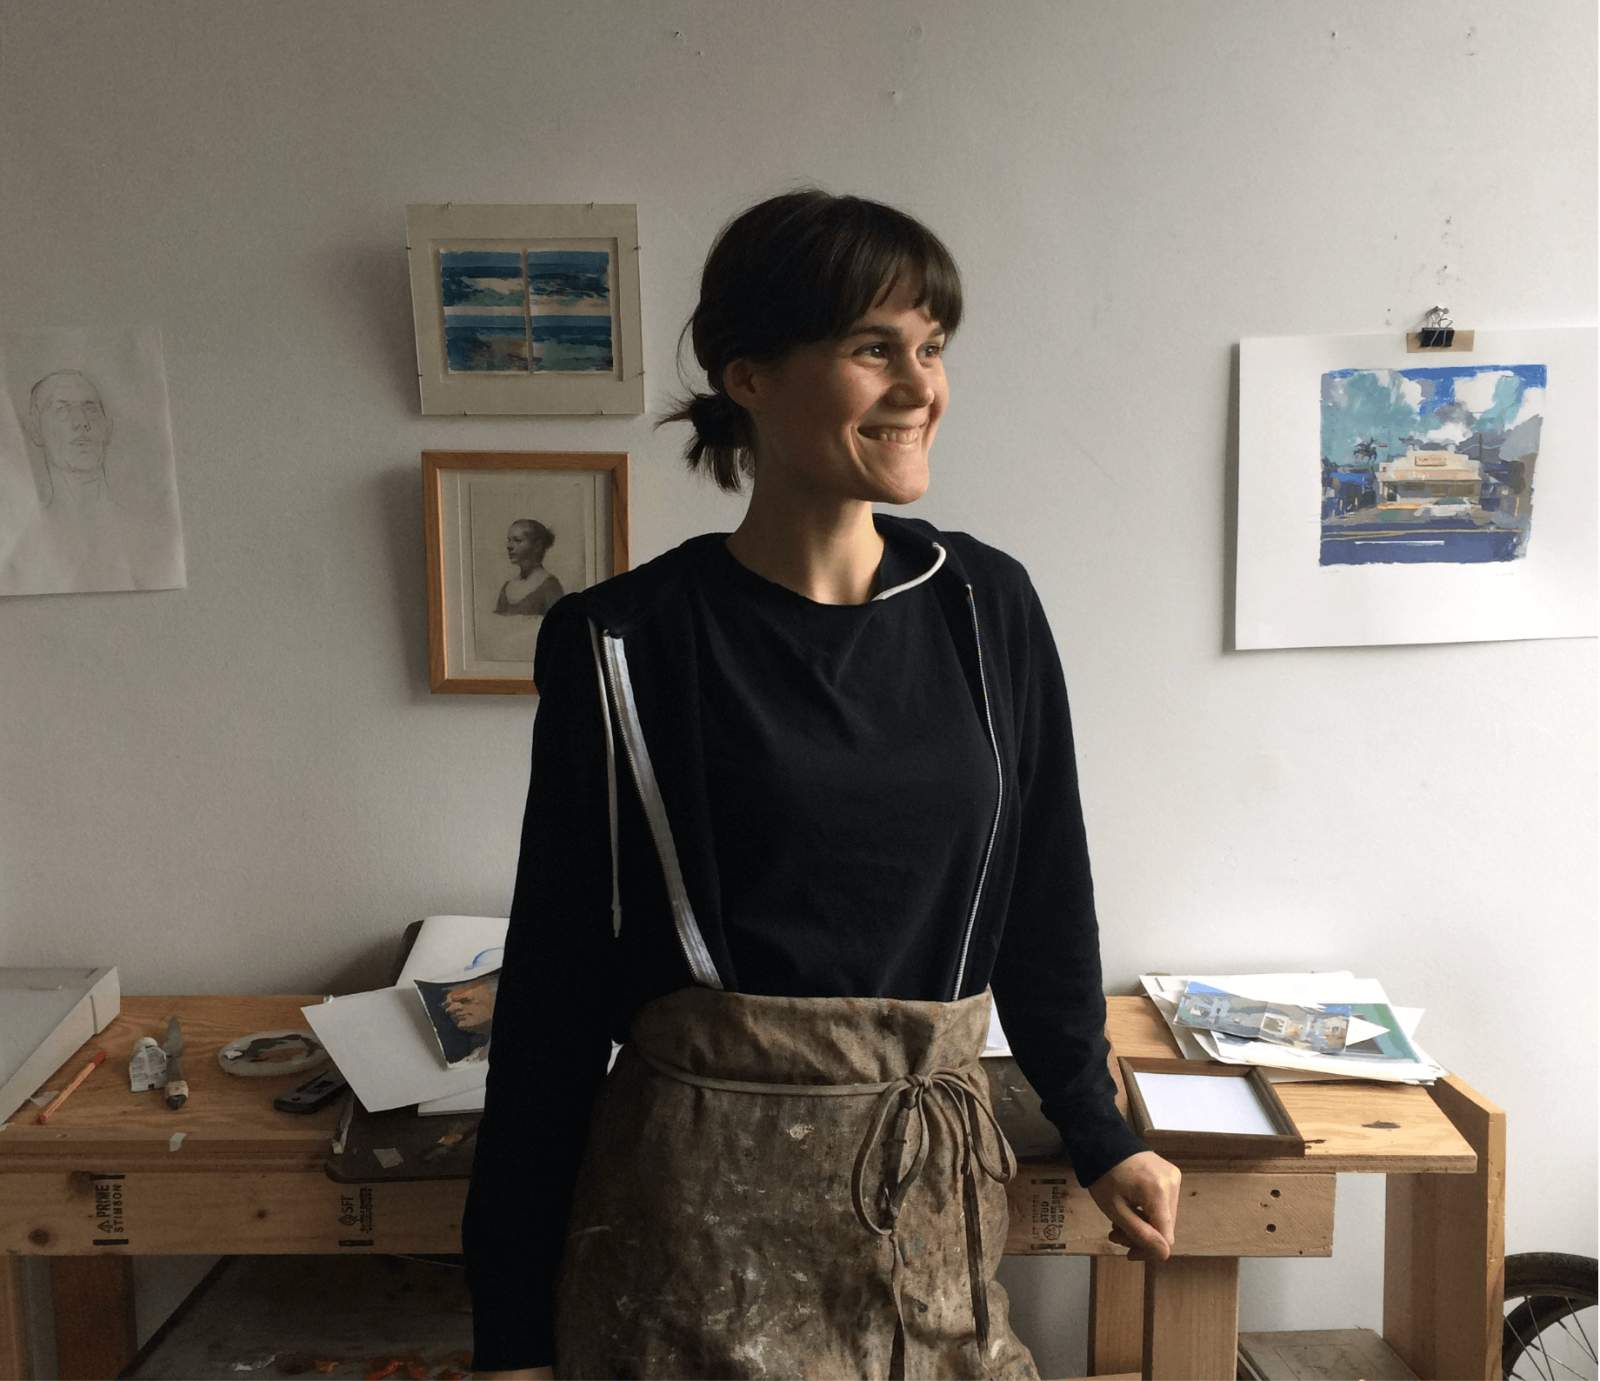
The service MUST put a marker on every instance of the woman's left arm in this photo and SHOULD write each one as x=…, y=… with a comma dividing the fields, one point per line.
x=1047, y=978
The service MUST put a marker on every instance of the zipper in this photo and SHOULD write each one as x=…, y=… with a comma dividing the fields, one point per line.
x=999, y=799
x=701, y=965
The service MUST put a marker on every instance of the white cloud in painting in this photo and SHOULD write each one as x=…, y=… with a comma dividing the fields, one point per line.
x=1451, y=432
x=1532, y=406
x=1475, y=392
x=1409, y=391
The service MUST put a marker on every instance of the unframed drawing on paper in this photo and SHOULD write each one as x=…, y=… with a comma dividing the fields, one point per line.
x=88, y=486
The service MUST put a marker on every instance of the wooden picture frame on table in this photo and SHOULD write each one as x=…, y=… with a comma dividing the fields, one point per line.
x=508, y=533
x=1187, y=1112
x=526, y=309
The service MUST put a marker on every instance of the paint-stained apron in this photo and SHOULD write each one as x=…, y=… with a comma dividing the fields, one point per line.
x=784, y=1187
x=792, y=1187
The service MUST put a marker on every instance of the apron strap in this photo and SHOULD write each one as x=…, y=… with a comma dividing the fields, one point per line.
x=612, y=662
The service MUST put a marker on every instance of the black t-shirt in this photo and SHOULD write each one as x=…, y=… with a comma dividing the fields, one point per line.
x=851, y=785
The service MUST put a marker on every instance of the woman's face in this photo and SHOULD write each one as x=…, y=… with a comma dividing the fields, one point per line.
x=854, y=418
x=521, y=548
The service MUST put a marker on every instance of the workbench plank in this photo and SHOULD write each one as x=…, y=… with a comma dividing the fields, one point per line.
x=1191, y=1319
x=1116, y=1316
x=227, y=1116
x=1444, y=1252
x=152, y=1213
x=16, y=1353
x=1219, y=1214
x=95, y=1331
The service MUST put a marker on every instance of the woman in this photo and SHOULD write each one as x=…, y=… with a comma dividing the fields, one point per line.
x=846, y=806
x=533, y=590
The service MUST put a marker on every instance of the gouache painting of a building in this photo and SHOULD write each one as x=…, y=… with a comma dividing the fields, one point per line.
x=1429, y=464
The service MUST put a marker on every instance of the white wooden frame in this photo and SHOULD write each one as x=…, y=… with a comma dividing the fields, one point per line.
x=431, y=229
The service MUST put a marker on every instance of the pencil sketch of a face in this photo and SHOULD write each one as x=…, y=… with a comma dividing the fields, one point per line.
x=69, y=423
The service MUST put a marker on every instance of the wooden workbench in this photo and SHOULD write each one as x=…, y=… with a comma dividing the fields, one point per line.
x=105, y=1181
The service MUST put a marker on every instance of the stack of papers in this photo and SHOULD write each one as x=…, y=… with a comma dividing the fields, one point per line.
x=1380, y=1037
x=385, y=1042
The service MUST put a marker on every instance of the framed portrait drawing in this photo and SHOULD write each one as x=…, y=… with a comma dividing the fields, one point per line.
x=526, y=309
x=509, y=533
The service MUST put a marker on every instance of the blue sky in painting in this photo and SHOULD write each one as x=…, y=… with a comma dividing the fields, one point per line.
x=1430, y=407
x=558, y=277
x=480, y=278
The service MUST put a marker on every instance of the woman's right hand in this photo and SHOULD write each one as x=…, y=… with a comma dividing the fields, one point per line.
x=521, y=1374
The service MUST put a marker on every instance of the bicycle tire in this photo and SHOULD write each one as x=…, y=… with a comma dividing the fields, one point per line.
x=1549, y=1292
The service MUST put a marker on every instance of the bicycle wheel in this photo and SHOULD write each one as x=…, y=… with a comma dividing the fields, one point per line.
x=1550, y=1317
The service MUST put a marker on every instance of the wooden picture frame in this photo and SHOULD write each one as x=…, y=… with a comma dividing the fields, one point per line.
x=507, y=533
x=1273, y=1132
x=526, y=309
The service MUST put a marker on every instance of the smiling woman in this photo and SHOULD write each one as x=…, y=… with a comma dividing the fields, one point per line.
x=849, y=812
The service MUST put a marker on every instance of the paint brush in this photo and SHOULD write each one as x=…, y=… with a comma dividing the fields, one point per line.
x=177, y=1088
x=61, y=1097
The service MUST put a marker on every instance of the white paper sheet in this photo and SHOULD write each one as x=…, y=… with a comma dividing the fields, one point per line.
x=1285, y=597
x=384, y=1045
x=88, y=486
x=1203, y=1103
x=447, y=946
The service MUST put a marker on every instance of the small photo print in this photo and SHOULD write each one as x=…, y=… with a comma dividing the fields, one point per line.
x=462, y=1013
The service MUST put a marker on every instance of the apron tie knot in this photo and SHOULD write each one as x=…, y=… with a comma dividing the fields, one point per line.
x=956, y=1100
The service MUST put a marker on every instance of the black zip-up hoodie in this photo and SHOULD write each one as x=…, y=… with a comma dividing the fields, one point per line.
x=569, y=985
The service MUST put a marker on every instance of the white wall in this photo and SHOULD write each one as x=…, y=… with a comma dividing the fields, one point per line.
x=247, y=785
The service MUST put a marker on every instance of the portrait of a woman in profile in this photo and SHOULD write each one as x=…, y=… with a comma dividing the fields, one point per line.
x=533, y=590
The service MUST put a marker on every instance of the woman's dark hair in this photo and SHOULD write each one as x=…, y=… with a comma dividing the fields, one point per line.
x=797, y=269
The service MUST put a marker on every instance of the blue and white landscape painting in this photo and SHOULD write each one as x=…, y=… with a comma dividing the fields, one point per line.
x=479, y=341
x=485, y=311
x=563, y=279
x=571, y=343
x=569, y=305
x=1429, y=464
x=481, y=278
x=545, y=310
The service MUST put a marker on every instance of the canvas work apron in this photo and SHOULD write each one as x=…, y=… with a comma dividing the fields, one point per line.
x=786, y=1187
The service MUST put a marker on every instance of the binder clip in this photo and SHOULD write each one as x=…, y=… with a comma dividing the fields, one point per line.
x=1438, y=333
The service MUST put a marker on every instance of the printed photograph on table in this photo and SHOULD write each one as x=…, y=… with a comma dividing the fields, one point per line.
x=1429, y=464
x=508, y=534
x=526, y=309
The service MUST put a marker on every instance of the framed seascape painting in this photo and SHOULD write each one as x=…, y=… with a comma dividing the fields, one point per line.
x=1390, y=496
x=508, y=533
x=526, y=309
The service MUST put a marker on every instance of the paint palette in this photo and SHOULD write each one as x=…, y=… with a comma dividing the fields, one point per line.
x=272, y=1053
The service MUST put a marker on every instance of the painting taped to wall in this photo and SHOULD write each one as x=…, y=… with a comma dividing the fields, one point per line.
x=88, y=485
x=1429, y=464
x=526, y=309
x=1395, y=497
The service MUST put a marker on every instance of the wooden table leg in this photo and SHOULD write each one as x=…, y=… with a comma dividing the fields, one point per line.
x=1444, y=1248
x=95, y=1334
x=1116, y=1315
x=16, y=1360
x=1191, y=1319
